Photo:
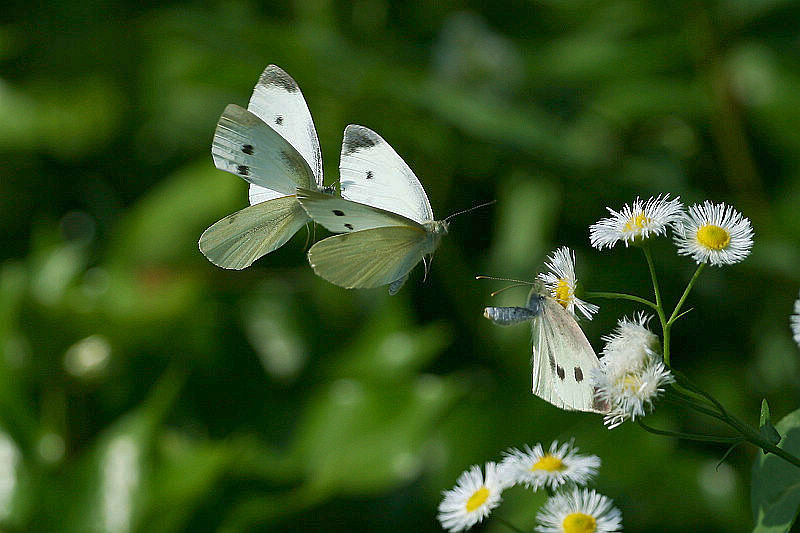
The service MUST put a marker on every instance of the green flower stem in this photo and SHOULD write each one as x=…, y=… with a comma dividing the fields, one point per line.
x=620, y=296
x=690, y=436
x=678, y=398
x=749, y=433
x=677, y=309
x=508, y=524
x=659, y=304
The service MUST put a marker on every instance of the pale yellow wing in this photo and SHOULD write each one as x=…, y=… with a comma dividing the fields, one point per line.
x=368, y=258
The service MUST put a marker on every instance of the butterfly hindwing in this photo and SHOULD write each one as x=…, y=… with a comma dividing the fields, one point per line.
x=368, y=258
x=563, y=360
x=244, y=145
x=372, y=173
x=242, y=237
x=341, y=216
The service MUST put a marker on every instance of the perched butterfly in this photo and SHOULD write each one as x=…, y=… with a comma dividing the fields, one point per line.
x=384, y=217
x=273, y=145
x=563, y=359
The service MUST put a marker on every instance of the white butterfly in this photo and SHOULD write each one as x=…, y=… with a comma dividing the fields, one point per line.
x=563, y=359
x=274, y=146
x=384, y=217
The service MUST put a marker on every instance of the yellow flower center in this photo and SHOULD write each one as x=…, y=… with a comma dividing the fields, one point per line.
x=477, y=499
x=636, y=223
x=713, y=237
x=630, y=382
x=562, y=293
x=550, y=463
x=579, y=523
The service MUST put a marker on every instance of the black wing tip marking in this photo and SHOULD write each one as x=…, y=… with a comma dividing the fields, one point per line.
x=275, y=76
x=359, y=137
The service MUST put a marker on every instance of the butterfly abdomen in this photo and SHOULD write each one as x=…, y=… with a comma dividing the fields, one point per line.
x=506, y=316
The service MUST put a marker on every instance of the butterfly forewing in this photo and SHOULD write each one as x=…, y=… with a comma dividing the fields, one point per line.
x=372, y=173
x=340, y=216
x=563, y=360
x=278, y=101
x=368, y=258
x=239, y=239
x=244, y=145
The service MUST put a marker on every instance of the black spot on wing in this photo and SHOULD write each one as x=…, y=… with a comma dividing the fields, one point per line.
x=578, y=374
x=279, y=120
x=248, y=149
x=348, y=226
x=369, y=174
x=358, y=138
x=244, y=170
x=338, y=213
x=275, y=76
x=560, y=372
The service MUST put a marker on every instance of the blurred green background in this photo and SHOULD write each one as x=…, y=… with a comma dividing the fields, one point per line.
x=144, y=389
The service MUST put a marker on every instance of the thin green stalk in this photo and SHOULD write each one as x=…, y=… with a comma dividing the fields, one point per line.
x=692, y=404
x=659, y=304
x=686, y=292
x=620, y=296
x=748, y=433
x=690, y=436
x=508, y=524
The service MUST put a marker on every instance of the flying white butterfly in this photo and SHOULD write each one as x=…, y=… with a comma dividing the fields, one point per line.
x=273, y=145
x=563, y=359
x=384, y=218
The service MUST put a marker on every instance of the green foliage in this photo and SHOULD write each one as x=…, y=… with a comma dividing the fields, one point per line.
x=765, y=426
x=775, y=493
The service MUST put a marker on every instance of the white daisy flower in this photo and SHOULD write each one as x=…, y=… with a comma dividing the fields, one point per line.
x=630, y=394
x=636, y=222
x=795, y=321
x=472, y=499
x=630, y=346
x=715, y=234
x=561, y=282
x=579, y=511
x=535, y=468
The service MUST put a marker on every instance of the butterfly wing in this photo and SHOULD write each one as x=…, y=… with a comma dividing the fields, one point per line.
x=372, y=173
x=244, y=145
x=563, y=360
x=340, y=216
x=368, y=258
x=239, y=239
x=277, y=101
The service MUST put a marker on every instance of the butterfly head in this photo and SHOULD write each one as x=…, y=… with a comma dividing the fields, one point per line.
x=440, y=227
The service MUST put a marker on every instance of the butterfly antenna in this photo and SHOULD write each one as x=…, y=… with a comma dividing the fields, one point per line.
x=520, y=281
x=495, y=293
x=470, y=209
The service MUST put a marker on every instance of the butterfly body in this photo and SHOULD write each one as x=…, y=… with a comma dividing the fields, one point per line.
x=562, y=357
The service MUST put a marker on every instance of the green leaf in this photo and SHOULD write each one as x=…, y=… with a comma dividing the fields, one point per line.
x=775, y=493
x=768, y=431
